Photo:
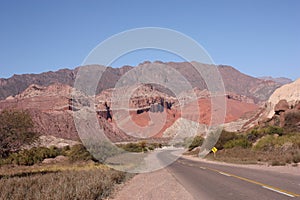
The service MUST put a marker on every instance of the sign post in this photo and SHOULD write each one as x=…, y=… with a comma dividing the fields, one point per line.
x=214, y=149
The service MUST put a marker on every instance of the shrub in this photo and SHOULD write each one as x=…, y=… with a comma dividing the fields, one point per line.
x=153, y=146
x=271, y=130
x=197, y=141
x=134, y=147
x=277, y=163
x=224, y=138
x=242, y=142
x=78, y=152
x=253, y=135
x=296, y=156
x=257, y=132
x=141, y=146
x=16, y=129
x=31, y=156
x=104, y=150
x=269, y=142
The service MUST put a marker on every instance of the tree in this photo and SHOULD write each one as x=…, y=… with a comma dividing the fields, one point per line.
x=16, y=129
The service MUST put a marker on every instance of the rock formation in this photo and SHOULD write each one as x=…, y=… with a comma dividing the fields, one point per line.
x=289, y=92
x=283, y=107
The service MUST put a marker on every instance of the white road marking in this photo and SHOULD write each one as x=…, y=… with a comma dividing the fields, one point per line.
x=278, y=190
x=224, y=174
x=272, y=189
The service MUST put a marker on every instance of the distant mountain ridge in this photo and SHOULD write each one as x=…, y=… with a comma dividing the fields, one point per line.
x=281, y=80
x=257, y=89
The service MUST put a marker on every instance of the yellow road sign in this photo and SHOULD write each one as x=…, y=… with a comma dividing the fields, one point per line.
x=214, y=149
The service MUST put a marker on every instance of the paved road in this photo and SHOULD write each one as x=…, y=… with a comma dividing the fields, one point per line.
x=213, y=181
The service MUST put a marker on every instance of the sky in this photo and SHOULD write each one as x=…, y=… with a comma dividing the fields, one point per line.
x=257, y=37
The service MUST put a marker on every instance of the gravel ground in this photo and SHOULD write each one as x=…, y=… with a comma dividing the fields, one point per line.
x=152, y=186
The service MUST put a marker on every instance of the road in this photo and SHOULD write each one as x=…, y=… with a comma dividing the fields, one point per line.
x=214, y=181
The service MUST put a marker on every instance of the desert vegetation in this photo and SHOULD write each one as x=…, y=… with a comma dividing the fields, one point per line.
x=36, y=155
x=24, y=175
x=141, y=146
x=269, y=144
x=90, y=183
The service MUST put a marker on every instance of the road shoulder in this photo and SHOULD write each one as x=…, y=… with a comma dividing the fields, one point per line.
x=154, y=185
x=288, y=169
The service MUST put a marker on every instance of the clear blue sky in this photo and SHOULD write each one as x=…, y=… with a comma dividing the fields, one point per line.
x=257, y=37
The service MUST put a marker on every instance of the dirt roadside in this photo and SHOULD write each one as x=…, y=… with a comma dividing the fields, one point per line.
x=288, y=169
x=152, y=186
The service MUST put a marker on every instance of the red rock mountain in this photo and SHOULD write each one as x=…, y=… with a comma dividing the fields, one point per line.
x=47, y=97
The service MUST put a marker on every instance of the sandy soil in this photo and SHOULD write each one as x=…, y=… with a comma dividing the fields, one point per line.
x=152, y=186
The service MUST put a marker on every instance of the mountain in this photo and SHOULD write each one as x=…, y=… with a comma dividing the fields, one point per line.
x=236, y=82
x=280, y=80
x=18, y=83
x=51, y=109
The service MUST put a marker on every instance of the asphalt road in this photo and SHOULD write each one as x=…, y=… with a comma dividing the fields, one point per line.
x=213, y=181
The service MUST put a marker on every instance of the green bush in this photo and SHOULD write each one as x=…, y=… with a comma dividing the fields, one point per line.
x=78, y=152
x=141, y=146
x=224, y=138
x=242, y=142
x=253, y=135
x=133, y=147
x=271, y=130
x=270, y=142
x=197, y=141
x=31, y=156
x=259, y=132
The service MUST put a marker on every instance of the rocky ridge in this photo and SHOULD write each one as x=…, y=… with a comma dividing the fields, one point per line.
x=234, y=81
x=280, y=80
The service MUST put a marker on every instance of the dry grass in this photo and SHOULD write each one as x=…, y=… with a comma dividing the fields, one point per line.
x=59, y=182
x=249, y=156
x=14, y=170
